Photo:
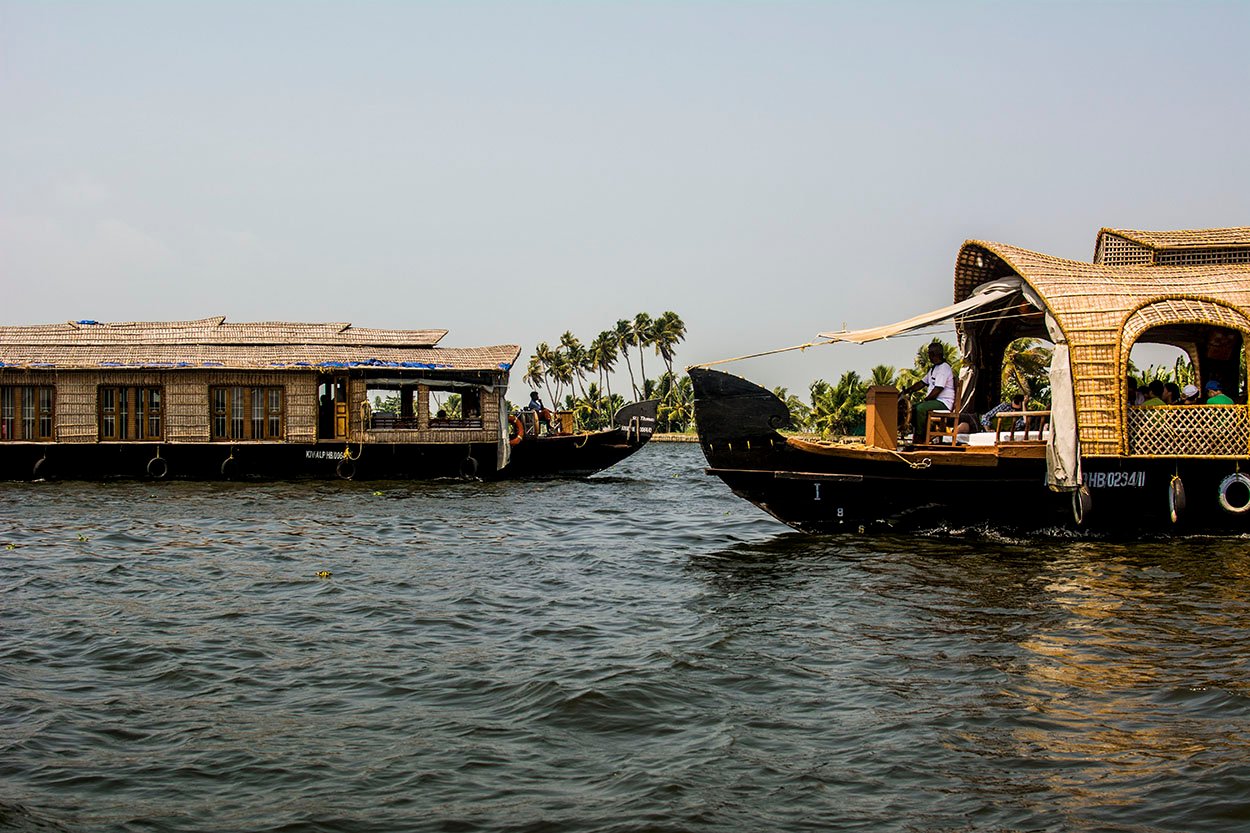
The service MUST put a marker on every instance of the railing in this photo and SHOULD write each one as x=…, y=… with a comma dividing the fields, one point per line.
x=1035, y=427
x=1189, y=431
x=390, y=422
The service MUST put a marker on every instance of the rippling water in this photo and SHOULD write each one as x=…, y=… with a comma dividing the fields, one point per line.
x=637, y=652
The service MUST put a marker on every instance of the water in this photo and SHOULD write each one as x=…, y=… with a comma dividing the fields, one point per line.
x=637, y=652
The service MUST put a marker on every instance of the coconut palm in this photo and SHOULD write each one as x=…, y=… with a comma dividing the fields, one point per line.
x=603, y=355
x=676, y=410
x=836, y=409
x=668, y=332
x=800, y=412
x=624, y=334
x=1025, y=365
x=572, y=347
x=561, y=372
x=883, y=375
x=644, y=336
x=543, y=356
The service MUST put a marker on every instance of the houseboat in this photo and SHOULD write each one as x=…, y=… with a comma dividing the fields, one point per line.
x=215, y=399
x=1094, y=459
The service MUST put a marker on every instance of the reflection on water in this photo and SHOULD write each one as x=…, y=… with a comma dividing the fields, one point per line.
x=635, y=652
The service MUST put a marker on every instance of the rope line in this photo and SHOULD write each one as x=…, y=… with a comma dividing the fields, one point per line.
x=923, y=331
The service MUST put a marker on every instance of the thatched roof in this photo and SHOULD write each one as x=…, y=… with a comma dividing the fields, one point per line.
x=213, y=343
x=1102, y=310
x=1211, y=238
x=1193, y=247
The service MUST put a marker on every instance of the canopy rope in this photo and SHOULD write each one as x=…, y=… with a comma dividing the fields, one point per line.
x=916, y=333
x=766, y=353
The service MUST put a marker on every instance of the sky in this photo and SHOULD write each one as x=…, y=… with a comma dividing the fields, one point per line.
x=510, y=171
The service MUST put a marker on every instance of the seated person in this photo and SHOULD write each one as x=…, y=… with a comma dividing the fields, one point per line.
x=540, y=412
x=1156, y=395
x=940, y=384
x=1189, y=395
x=1172, y=394
x=1216, y=395
x=990, y=421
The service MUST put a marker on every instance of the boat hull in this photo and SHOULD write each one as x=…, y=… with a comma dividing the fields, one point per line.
x=266, y=461
x=832, y=489
x=581, y=455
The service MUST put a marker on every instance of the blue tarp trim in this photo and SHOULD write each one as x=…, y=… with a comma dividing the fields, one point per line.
x=87, y=321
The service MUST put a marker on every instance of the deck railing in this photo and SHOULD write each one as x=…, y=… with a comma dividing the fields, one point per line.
x=1021, y=427
x=1189, y=431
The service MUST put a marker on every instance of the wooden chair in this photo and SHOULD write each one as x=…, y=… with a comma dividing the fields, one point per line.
x=941, y=426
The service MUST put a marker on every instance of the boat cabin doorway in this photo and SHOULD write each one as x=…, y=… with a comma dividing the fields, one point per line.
x=332, y=407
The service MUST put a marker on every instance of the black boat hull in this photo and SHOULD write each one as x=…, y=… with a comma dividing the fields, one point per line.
x=738, y=426
x=266, y=461
x=581, y=455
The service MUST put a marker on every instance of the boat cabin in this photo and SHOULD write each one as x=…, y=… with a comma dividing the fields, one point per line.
x=211, y=398
x=1186, y=289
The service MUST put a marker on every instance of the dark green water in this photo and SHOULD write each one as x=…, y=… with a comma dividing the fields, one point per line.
x=639, y=652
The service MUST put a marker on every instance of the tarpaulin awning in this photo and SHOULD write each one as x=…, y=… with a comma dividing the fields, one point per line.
x=983, y=297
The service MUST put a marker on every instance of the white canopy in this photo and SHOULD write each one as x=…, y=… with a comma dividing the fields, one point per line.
x=985, y=295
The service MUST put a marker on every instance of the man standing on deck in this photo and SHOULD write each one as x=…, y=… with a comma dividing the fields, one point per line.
x=940, y=383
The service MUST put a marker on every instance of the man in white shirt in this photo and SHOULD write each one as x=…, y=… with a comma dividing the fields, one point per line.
x=940, y=383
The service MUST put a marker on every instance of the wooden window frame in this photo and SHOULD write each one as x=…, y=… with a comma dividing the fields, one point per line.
x=129, y=413
x=222, y=414
x=14, y=420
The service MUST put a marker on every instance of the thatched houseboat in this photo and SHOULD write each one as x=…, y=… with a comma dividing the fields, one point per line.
x=209, y=399
x=1094, y=458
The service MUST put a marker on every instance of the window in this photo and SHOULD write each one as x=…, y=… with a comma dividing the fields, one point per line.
x=130, y=413
x=26, y=412
x=246, y=413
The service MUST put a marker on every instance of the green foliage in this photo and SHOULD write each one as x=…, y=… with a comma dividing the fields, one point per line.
x=565, y=371
x=1026, y=367
x=800, y=411
x=838, y=409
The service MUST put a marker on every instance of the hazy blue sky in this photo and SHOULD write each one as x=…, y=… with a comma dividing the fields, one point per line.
x=511, y=170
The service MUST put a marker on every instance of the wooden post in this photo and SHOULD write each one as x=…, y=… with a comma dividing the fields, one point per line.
x=881, y=417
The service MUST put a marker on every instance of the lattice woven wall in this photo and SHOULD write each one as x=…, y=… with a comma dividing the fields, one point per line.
x=1189, y=431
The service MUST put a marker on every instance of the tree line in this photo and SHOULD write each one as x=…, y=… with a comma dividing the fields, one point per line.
x=578, y=376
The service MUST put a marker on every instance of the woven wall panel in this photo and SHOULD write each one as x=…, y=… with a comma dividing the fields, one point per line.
x=1116, y=251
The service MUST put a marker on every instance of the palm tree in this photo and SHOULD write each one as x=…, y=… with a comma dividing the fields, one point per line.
x=643, y=329
x=561, y=372
x=624, y=333
x=543, y=357
x=677, y=410
x=799, y=410
x=576, y=353
x=836, y=409
x=669, y=331
x=603, y=355
x=883, y=375
x=1025, y=363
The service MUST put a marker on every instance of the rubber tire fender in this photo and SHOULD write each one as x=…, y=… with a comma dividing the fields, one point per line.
x=346, y=469
x=1082, y=503
x=1176, y=499
x=1226, y=484
x=158, y=468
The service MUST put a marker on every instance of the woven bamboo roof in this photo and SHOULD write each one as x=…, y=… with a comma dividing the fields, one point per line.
x=213, y=343
x=1102, y=310
x=1211, y=238
x=216, y=331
